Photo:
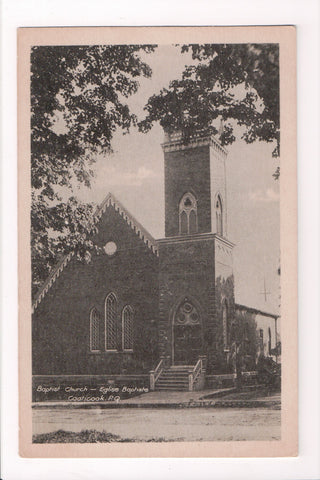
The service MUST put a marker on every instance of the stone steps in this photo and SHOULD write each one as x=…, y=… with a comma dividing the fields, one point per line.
x=174, y=378
x=172, y=381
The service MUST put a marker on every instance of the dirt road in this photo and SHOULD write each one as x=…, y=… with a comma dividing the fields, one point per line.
x=187, y=424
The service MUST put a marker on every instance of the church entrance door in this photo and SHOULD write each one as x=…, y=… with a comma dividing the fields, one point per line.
x=187, y=334
x=187, y=344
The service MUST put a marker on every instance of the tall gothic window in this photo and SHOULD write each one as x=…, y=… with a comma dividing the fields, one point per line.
x=94, y=330
x=219, y=221
x=110, y=322
x=269, y=341
x=261, y=341
x=127, y=328
x=183, y=223
x=188, y=218
x=225, y=325
x=233, y=333
x=246, y=332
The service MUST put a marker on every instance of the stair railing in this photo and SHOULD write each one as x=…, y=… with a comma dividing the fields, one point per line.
x=194, y=374
x=155, y=374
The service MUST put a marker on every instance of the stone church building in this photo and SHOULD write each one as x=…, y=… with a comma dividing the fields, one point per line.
x=165, y=306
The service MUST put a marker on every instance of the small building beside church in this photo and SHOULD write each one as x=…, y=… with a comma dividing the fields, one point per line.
x=166, y=305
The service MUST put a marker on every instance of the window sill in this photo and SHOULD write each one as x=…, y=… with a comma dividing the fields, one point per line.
x=108, y=352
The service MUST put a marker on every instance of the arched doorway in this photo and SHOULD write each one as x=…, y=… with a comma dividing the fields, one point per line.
x=187, y=333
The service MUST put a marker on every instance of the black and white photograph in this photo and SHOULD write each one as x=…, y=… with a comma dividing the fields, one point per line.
x=155, y=242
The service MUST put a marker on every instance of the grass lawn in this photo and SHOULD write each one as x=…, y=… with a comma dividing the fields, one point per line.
x=85, y=436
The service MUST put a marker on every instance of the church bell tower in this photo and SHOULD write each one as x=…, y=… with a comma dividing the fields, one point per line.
x=195, y=186
x=195, y=257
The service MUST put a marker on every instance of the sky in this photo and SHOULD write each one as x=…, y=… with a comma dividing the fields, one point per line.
x=134, y=173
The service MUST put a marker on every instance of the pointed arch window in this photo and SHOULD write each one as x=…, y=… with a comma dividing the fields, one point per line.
x=261, y=338
x=225, y=324
x=94, y=330
x=219, y=221
x=127, y=328
x=110, y=322
x=269, y=341
x=183, y=223
x=246, y=332
x=233, y=333
x=188, y=215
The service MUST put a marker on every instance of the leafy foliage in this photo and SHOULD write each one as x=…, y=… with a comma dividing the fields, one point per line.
x=236, y=83
x=244, y=342
x=269, y=372
x=78, y=98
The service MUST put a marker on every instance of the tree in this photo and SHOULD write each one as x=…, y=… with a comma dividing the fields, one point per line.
x=78, y=98
x=235, y=83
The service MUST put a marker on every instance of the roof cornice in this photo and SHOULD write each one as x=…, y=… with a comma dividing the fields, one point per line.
x=174, y=142
x=136, y=226
x=51, y=279
x=196, y=237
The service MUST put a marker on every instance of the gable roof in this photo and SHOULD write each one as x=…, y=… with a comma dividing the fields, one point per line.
x=136, y=226
x=109, y=201
x=256, y=311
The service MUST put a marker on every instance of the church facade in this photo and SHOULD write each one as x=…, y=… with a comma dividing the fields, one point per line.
x=145, y=302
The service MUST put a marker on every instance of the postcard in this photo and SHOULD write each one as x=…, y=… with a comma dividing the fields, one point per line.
x=157, y=242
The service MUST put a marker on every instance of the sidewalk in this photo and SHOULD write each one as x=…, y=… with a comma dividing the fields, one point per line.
x=167, y=399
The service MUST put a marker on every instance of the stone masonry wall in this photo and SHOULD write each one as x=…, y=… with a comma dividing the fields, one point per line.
x=224, y=292
x=186, y=270
x=187, y=171
x=60, y=328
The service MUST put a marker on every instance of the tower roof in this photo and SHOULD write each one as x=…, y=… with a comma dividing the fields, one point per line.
x=175, y=141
